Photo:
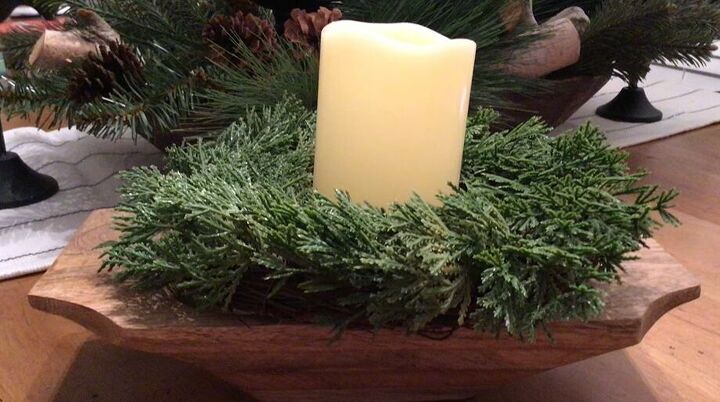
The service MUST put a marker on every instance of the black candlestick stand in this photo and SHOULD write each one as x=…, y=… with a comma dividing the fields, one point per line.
x=19, y=184
x=630, y=105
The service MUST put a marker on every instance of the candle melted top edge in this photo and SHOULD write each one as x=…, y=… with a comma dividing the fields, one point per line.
x=397, y=35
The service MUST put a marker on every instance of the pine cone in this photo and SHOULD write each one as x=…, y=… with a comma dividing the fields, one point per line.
x=304, y=29
x=281, y=8
x=255, y=33
x=115, y=65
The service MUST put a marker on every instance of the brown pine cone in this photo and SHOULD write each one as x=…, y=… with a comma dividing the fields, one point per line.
x=115, y=65
x=281, y=8
x=224, y=32
x=304, y=29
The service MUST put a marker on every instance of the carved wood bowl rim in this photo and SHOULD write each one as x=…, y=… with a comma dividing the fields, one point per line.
x=235, y=351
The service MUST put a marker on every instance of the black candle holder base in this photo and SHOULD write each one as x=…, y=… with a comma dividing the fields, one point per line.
x=20, y=185
x=630, y=105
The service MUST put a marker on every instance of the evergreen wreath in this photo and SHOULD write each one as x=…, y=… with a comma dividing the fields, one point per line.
x=534, y=224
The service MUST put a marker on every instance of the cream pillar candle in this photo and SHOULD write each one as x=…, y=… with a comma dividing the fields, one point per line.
x=392, y=111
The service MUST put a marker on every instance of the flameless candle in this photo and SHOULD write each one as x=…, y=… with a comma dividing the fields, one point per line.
x=392, y=111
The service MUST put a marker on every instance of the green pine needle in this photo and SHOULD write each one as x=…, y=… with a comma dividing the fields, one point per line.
x=624, y=37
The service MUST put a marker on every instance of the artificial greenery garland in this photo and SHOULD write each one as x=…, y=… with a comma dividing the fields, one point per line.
x=185, y=91
x=534, y=224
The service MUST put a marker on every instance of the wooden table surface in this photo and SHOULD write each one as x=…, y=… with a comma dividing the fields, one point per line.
x=47, y=358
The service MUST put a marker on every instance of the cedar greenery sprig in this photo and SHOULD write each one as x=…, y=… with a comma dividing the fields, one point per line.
x=534, y=224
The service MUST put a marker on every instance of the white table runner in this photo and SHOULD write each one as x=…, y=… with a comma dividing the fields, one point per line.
x=688, y=98
x=85, y=167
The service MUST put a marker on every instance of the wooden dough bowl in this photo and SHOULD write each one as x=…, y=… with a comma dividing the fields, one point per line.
x=298, y=362
x=555, y=106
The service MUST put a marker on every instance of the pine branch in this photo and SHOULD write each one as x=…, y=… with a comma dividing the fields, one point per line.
x=233, y=90
x=172, y=25
x=34, y=94
x=624, y=37
x=147, y=108
x=636, y=33
x=545, y=9
x=471, y=19
x=16, y=46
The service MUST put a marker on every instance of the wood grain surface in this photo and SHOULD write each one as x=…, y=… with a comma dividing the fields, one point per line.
x=45, y=358
x=29, y=121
